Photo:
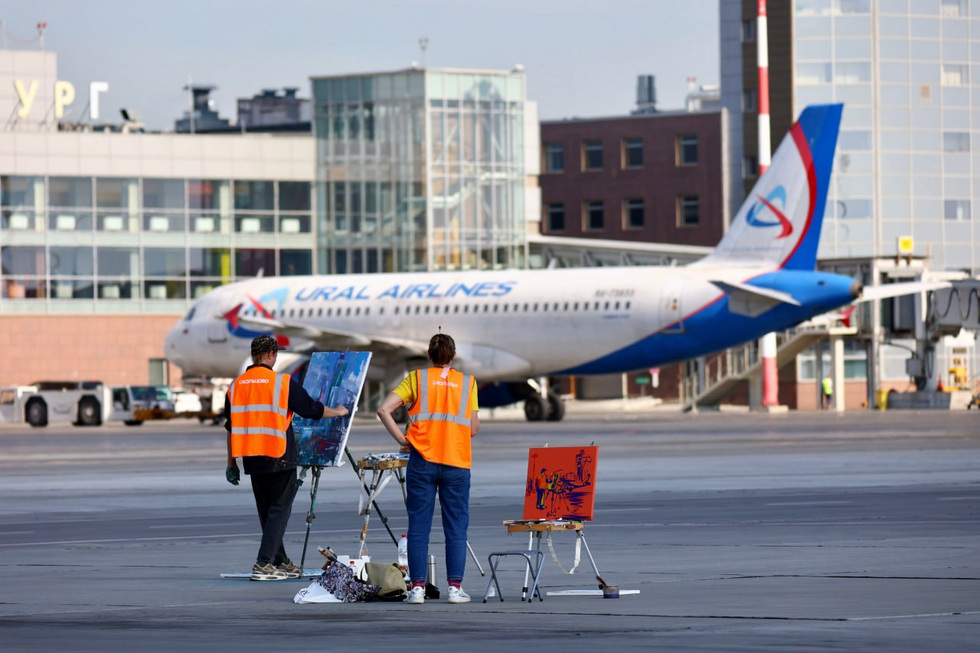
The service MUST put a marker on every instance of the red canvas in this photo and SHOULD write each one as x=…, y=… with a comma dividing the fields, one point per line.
x=560, y=483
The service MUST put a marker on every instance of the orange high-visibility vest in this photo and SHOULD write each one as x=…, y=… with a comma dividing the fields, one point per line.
x=441, y=416
x=259, y=413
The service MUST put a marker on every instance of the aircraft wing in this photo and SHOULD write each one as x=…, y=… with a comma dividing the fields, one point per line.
x=481, y=360
x=887, y=290
x=333, y=339
x=751, y=301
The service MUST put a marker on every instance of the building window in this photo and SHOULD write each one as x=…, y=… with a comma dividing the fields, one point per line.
x=955, y=74
x=688, y=211
x=956, y=141
x=632, y=152
x=687, y=150
x=748, y=31
x=554, y=157
x=595, y=219
x=956, y=210
x=749, y=103
x=953, y=8
x=592, y=155
x=633, y=213
x=750, y=167
x=556, y=217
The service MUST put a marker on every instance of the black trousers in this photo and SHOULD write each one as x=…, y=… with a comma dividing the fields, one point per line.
x=274, y=494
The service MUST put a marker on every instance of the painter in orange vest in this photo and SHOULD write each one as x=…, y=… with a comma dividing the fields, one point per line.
x=442, y=412
x=259, y=410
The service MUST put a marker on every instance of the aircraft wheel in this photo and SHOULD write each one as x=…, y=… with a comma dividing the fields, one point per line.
x=535, y=408
x=556, y=407
x=36, y=412
x=89, y=412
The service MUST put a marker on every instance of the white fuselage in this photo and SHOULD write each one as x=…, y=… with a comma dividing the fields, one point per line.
x=507, y=324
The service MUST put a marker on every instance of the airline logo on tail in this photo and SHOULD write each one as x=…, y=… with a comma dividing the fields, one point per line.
x=264, y=306
x=778, y=194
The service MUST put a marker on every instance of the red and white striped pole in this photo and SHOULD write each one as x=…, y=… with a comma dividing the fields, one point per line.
x=768, y=345
x=762, y=58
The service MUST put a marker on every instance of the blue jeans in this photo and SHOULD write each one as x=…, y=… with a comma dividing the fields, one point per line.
x=423, y=479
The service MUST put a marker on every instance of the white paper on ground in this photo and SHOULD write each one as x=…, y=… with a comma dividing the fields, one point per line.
x=315, y=594
x=587, y=592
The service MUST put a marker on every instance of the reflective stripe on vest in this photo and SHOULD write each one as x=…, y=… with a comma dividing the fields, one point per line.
x=259, y=429
x=441, y=419
x=423, y=402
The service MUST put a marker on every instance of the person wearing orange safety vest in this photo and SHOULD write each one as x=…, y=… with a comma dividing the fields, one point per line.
x=259, y=410
x=443, y=416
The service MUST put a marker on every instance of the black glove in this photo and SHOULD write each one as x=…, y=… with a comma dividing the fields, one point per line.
x=232, y=475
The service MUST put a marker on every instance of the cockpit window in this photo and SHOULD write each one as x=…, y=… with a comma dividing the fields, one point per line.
x=190, y=314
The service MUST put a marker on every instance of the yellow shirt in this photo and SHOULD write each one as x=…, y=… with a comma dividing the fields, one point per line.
x=408, y=391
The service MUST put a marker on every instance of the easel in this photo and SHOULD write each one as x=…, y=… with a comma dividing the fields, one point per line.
x=385, y=467
x=310, y=515
x=535, y=529
x=552, y=474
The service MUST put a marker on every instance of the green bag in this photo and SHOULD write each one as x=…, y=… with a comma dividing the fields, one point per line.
x=389, y=577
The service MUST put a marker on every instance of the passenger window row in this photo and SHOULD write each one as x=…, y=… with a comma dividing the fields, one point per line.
x=465, y=309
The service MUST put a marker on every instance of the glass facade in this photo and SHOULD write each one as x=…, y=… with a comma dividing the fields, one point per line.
x=127, y=244
x=420, y=170
x=908, y=158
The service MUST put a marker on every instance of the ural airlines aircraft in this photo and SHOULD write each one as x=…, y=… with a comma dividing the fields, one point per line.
x=516, y=324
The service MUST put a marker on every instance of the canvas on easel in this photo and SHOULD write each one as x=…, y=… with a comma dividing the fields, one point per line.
x=560, y=483
x=335, y=379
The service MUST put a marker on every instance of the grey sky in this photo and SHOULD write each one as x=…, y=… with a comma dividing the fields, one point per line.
x=581, y=57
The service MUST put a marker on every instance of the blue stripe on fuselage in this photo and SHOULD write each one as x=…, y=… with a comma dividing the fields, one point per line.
x=714, y=327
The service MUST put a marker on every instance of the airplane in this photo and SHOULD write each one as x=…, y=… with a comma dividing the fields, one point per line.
x=514, y=325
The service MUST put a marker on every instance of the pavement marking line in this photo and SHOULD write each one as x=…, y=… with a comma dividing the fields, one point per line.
x=118, y=608
x=196, y=525
x=958, y=498
x=925, y=615
x=16, y=532
x=166, y=539
x=809, y=503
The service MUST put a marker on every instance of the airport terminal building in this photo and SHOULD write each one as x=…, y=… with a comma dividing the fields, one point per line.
x=110, y=232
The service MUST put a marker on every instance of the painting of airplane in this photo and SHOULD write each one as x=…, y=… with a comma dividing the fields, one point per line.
x=512, y=325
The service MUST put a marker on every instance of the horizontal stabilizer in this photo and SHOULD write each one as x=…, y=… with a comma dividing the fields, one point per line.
x=752, y=301
x=898, y=289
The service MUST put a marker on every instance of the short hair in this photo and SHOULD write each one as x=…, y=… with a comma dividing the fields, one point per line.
x=442, y=349
x=263, y=344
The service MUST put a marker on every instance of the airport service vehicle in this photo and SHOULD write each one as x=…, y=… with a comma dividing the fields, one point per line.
x=514, y=325
x=84, y=403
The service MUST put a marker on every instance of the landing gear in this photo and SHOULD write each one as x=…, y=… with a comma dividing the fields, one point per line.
x=556, y=407
x=538, y=408
x=535, y=408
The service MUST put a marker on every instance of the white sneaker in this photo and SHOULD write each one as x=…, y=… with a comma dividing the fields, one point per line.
x=457, y=595
x=416, y=595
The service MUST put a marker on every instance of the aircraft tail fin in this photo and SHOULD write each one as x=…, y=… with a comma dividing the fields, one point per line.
x=779, y=223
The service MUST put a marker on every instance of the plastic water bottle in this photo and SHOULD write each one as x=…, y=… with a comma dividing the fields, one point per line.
x=403, y=552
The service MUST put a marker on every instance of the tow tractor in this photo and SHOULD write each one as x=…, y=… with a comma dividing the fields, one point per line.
x=83, y=403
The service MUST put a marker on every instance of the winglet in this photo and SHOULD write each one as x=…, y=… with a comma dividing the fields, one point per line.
x=232, y=316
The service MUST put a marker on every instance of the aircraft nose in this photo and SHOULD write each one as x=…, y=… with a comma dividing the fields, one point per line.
x=857, y=289
x=171, y=349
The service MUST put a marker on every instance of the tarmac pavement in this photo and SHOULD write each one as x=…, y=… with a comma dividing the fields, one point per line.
x=743, y=532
